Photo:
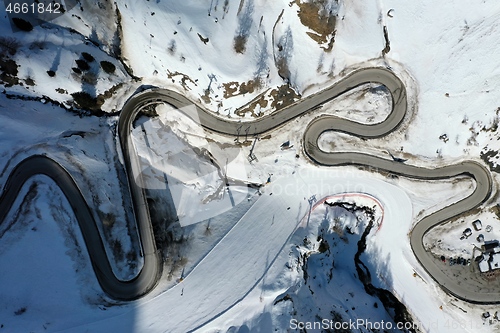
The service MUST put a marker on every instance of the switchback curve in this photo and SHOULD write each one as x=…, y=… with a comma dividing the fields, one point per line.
x=148, y=277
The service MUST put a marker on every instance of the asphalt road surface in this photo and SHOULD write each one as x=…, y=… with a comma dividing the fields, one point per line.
x=151, y=271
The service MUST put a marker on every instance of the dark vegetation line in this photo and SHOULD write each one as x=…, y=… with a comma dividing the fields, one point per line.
x=392, y=304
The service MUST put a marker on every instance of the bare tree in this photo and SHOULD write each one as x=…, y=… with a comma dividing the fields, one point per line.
x=262, y=56
x=284, y=54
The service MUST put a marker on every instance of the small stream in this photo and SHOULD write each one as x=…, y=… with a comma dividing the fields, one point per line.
x=390, y=302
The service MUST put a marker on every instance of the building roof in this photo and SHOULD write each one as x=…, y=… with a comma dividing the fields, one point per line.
x=477, y=224
x=489, y=246
x=495, y=263
x=285, y=144
x=483, y=265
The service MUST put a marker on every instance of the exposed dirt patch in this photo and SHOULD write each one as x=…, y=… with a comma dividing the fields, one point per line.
x=184, y=79
x=320, y=16
x=245, y=22
x=258, y=103
x=277, y=99
x=283, y=96
x=240, y=43
x=496, y=210
x=234, y=88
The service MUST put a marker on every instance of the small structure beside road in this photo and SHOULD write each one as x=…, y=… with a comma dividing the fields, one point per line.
x=286, y=145
x=477, y=225
x=467, y=232
x=489, y=260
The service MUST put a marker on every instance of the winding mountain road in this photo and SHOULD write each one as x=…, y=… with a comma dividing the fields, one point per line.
x=151, y=271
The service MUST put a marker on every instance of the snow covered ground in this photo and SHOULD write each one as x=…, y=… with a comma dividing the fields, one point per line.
x=224, y=54
x=233, y=265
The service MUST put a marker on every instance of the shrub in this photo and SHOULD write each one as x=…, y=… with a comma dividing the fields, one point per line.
x=83, y=65
x=172, y=47
x=51, y=73
x=29, y=81
x=245, y=22
x=108, y=67
x=8, y=67
x=87, y=56
x=20, y=311
x=118, y=250
x=240, y=44
x=22, y=24
x=85, y=100
x=76, y=70
x=9, y=45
